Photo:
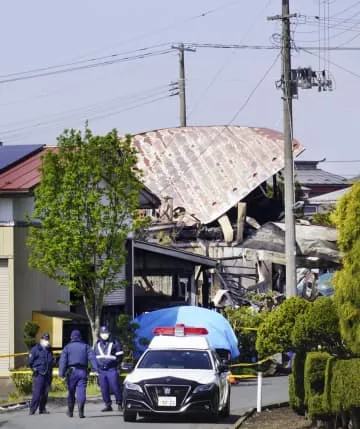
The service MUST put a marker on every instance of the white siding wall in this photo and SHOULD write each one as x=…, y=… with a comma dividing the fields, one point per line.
x=5, y=347
x=6, y=210
x=21, y=207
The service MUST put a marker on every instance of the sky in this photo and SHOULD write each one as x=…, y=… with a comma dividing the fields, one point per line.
x=223, y=86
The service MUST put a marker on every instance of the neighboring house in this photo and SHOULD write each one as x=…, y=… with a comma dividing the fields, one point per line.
x=26, y=294
x=314, y=181
x=325, y=202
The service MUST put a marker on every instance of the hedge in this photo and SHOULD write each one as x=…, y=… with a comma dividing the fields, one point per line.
x=296, y=383
x=342, y=384
x=314, y=382
x=23, y=382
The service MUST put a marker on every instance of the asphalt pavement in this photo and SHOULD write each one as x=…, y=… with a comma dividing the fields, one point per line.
x=243, y=397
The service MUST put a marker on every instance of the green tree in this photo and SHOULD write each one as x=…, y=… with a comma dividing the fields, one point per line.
x=86, y=206
x=274, y=335
x=318, y=326
x=325, y=218
x=347, y=280
x=245, y=321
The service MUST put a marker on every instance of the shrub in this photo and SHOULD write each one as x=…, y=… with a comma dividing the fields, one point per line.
x=296, y=383
x=22, y=381
x=245, y=317
x=274, y=335
x=318, y=326
x=314, y=382
x=342, y=385
x=30, y=331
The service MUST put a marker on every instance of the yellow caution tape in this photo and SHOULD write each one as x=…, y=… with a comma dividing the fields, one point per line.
x=251, y=364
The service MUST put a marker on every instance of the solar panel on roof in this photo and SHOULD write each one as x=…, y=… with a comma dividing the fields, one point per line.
x=10, y=155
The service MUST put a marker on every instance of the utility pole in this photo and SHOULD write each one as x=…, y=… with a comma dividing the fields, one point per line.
x=289, y=194
x=182, y=93
x=291, y=80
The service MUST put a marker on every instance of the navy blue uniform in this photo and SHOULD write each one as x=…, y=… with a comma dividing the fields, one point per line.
x=73, y=364
x=109, y=355
x=41, y=361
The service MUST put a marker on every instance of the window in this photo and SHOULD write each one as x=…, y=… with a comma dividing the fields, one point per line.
x=176, y=359
x=310, y=209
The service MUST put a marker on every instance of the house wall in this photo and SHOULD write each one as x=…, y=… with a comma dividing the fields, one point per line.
x=6, y=210
x=6, y=298
x=33, y=290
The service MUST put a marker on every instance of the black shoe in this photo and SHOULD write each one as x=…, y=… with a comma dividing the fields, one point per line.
x=81, y=411
x=70, y=410
x=44, y=412
x=106, y=409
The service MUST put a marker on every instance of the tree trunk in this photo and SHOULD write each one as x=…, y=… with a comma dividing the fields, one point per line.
x=93, y=312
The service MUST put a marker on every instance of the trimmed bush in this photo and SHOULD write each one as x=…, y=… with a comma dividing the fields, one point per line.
x=342, y=384
x=314, y=382
x=296, y=383
x=274, y=335
x=318, y=326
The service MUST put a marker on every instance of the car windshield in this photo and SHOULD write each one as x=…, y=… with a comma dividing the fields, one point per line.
x=176, y=359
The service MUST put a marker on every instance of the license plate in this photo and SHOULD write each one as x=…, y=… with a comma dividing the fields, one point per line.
x=167, y=401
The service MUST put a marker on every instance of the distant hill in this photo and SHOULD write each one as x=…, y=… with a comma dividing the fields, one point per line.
x=355, y=179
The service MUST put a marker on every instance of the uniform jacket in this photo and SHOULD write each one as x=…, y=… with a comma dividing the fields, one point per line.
x=108, y=354
x=41, y=360
x=77, y=354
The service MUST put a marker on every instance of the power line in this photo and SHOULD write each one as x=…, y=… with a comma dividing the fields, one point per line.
x=162, y=29
x=83, y=111
x=86, y=66
x=234, y=117
x=227, y=60
x=74, y=63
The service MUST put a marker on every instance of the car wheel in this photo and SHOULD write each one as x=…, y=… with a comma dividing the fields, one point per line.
x=214, y=414
x=225, y=412
x=129, y=416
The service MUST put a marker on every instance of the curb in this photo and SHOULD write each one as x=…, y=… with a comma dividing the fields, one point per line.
x=243, y=418
x=252, y=411
x=24, y=404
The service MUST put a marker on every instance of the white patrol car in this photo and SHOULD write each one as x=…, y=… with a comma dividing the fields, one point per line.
x=179, y=373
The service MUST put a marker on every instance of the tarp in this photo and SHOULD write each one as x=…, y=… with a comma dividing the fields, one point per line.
x=220, y=336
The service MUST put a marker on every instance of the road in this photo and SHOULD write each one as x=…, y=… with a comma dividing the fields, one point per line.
x=243, y=397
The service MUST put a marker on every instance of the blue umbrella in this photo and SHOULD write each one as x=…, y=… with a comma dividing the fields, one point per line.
x=220, y=333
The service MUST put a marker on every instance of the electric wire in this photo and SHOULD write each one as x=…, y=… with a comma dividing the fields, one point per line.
x=86, y=66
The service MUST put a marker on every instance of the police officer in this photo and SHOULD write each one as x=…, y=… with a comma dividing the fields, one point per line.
x=109, y=355
x=41, y=361
x=73, y=365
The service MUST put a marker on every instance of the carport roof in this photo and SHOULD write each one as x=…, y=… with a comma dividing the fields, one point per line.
x=175, y=253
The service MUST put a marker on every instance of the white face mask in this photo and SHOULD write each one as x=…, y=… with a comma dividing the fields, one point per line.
x=104, y=336
x=44, y=343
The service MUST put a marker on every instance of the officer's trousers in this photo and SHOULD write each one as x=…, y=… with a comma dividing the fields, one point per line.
x=41, y=387
x=77, y=382
x=109, y=382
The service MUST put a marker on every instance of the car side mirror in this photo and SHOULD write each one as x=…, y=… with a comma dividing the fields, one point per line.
x=224, y=368
x=127, y=366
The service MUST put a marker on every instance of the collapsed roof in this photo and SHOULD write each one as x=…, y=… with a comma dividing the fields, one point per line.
x=207, y=170
x=312, y=241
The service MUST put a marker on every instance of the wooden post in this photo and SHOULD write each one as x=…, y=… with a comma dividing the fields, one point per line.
x=241, y=216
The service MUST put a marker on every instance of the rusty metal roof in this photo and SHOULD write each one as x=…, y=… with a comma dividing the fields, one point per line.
x=24, y=176
x=207, y=170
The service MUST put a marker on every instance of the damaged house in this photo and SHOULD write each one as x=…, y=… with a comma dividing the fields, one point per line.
x=220, y=188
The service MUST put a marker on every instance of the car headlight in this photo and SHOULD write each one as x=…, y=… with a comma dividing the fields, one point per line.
x=133, y=386
x=204, y=388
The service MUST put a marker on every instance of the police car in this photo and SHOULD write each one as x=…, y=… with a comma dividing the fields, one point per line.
x=179, y=373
